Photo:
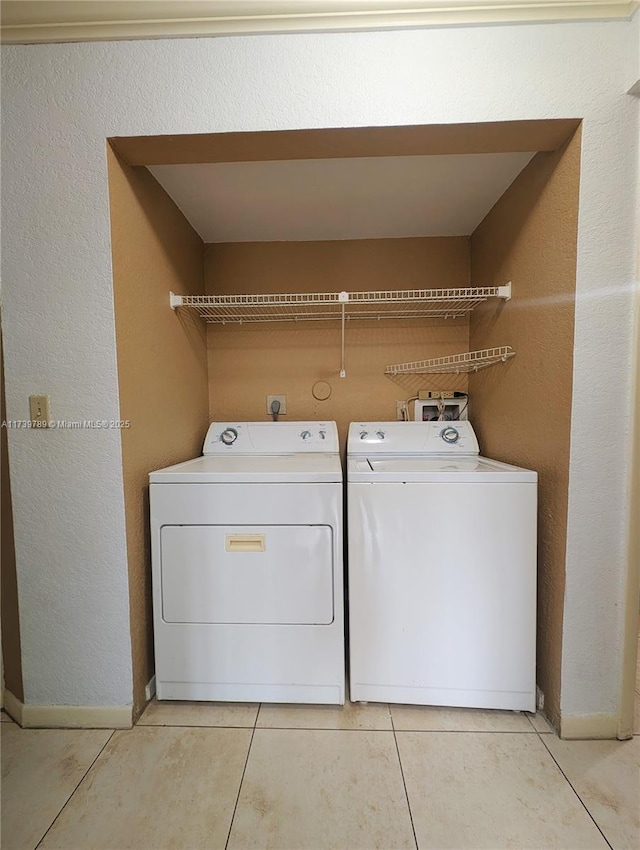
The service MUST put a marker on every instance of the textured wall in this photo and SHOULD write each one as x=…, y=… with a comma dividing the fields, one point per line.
x=61, y=101
x=522, y=410
x=162, y=367
x=247, y=363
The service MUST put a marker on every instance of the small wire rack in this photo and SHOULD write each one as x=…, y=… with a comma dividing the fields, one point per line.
x=470, y=361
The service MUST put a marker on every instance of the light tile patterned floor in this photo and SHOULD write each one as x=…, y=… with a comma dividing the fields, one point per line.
x=306, y=778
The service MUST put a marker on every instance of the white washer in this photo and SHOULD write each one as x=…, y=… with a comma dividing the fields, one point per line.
x=246, y=548
x=442, y=569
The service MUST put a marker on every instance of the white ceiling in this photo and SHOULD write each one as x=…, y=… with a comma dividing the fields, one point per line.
x=327, y=199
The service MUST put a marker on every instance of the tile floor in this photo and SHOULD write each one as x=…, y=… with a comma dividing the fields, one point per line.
x=294, y=777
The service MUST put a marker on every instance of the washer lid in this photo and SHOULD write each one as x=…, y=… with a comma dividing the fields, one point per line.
x=379, y=469
x=256, y=469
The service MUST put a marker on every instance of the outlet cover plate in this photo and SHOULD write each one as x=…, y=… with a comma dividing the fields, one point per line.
x=283, y=403
x=39, y=410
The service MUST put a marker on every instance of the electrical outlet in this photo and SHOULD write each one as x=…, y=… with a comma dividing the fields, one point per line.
x=283, y=403
x=39, y=411
x=402, y=411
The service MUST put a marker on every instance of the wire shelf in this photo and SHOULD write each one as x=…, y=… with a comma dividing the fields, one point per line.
x=470, y=361
x=339, y=306
x=350, y=306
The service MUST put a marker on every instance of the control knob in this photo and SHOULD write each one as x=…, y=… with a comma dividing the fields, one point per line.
x=305, y=435
x=229, y=436
x=364, y=435
x=450, y=434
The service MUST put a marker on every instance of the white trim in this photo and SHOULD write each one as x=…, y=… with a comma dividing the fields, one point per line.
x=628, y=696
x=13, y=706
x=168, y=19
x=68, y=716
x=150, y=690
x=588, y=726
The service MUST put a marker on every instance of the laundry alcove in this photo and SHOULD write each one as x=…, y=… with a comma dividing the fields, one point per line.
x=281, y=225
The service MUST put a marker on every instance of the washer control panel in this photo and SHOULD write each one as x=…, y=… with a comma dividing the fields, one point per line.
x=451, y=438
x=270, y=438
x=412, y=438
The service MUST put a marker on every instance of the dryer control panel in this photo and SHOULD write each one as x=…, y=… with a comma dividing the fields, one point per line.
x=270, y=438
x=412, y=438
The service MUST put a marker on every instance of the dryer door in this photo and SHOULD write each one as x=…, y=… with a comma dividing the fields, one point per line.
x=265, y=574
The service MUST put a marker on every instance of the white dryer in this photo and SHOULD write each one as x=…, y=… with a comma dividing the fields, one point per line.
x=246, y=549
x=442, y=569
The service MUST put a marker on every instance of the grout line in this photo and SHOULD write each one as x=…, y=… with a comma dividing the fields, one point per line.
x=244, y=770
x=83, y=777
x=391, y=729
x=470, y=731
x=404, y=783
x=189, y=726
x=531, y=723
x=570, y=784
x=549, y=731
x=533, y=731
x=321, y=729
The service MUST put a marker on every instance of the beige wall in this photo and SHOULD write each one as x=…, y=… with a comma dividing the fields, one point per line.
x=12, y=661
x=522, y=409
x=162, y=367
x=246, y=363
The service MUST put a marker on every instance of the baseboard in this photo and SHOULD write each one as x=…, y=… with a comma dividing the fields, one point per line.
x=68, y=716
x=13, y=706
x=150, y=690
x=586, y=726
